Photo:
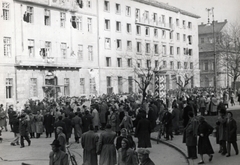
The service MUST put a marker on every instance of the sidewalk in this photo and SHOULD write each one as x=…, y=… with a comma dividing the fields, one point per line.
x=218, y=159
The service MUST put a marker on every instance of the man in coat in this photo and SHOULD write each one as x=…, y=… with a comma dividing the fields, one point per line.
x=102, y=114
x=23, y=130
x=59, y=123
x=48, y=124
x=61, y=138
x=222, y=130
x=11, y=113
x=39, y=124
x=56, y=156
x=143, y=156
x=95, y=116
x=89, y=144
x=86, y=121
x=187, y=108
x=15, y=129
x=77, y=125
x=68, y=123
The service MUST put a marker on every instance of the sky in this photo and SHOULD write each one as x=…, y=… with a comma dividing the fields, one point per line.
x=223, y=9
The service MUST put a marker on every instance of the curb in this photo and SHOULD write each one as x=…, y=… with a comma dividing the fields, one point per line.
x=174, y=147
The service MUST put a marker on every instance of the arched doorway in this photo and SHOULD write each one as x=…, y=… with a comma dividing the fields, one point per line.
x=51, y=88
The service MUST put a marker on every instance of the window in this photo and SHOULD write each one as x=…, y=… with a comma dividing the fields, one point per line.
x=106, y=6
x=7, y=46
x=64, y=50
x=120, y=84
x=177, y=22
x=163, y=34
x=107, y=43
x=107, y=24
x=147, y=31
x=33, y=87
x=202, y=40
x=28, y=16
x=9, y=88
x=129, y=28
x=129, y=62
x=178, y=50
x=66, y=87
x=89, y=3
x=189, y=52
x=184, y=24
x=118, y=26
x=119, y=44
x=205, y=66
x=171, y=50
x=164, y=50
x=82, y=86
x=137, y=15
x=108, y=61
x=148, y=63
x=139, y=47
x=155, y=32
x=164, y=64
x=146, y=16
x=47, y=17
x=92, y=85
x=119, y=62
x=156, y=63
x=139, y=63
x=138, y=29
x=118, y=8
x=90, y=53
x=80, y=52
x=147, y=47
x=89, y=20
x=184, y=37
x=191, y=65
x=185, y=51
x=178, y=37
x=170, y=35
x=185, y=65
x=189, y=25
x=163, y=20
x=6, y=13
x=190, y=40
x=31, y=48
x=109, y=85
x=47, y=48
x=130, y=84
x=155, y=48
x=155, y=18
x=128, y=11
x=129, y=45
x=179, y=65
x=62, y=19
x=171, y=65
x=79, y=23
x=170, y=22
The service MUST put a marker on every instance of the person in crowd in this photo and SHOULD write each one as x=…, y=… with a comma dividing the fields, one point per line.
x=86, y=120
x=143, y=156
x=126, y=122
x=152, y=115
x=102, y=114
x=222, y=135
x=39, y=124
x=113, y=119
x=143, y=132
x=89, y=144
x=106, y=147
x=68, y=123
x=214, y=104
x=59, y=123
x=61, y=138
x=202, y=105
x=56, y=156
x=124, y=134
x=126, y=155
x=48, y=124
x=232, y=98
x=167, y=122
x=3, y=118
x=231, y=134
x=95, y=115
x=190, y=136
x=11, y=113
x=23, y=130
x=77, y=125
x=15, y=130
x=187, y=108
x=204, y=144
x=175, y=119
x=238, y=98
x=225, y=98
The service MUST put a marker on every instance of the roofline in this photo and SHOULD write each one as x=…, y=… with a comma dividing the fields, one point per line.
x=167, y=7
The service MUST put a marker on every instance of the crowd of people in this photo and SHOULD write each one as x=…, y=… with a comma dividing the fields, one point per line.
x=120, y=118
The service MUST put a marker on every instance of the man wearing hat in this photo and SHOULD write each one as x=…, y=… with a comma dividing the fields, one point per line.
x=143, y=156
x=23, y=130
x=61, y=138
x=15, y=129
x=56, y=156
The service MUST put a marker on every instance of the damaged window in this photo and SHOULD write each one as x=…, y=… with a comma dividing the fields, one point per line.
x=28, y=15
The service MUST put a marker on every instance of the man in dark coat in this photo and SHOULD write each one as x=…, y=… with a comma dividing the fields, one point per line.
x=15, y=129
x=57, y=156
x=68, y=123
x=77, y=125
x=11, y=113
x=167, y=121
x=48, y=124
x=86, y=121
x=187, y=108
x=152, y=115
x=231, y=134
x=59, y=123
x=222, y=130
x=103, y=109
x=89, y=144
x=23, y=130
x=143, y=132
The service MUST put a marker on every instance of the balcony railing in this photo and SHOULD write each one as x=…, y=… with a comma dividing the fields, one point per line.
x=47, y=61
x=155, y=24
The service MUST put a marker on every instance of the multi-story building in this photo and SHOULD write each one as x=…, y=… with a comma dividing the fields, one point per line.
x=49, y=48
x=206, y=54
x=142, y=34
x=74, y=47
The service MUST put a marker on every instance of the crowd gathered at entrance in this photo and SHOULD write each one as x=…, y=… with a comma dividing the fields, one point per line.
x=105, y=125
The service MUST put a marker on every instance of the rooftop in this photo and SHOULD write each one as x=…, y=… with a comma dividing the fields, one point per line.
x=167, y=7
x=206, y=29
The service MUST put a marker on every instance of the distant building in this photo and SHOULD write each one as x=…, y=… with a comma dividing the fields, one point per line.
x=206, y=54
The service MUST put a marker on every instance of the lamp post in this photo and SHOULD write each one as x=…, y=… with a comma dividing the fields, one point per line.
x=211, y=12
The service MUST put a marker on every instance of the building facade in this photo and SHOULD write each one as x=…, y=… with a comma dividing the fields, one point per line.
x=206, y=55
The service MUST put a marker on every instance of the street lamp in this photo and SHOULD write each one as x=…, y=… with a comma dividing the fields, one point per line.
x=211, y=12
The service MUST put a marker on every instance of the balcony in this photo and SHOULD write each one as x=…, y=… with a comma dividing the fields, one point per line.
x=47, y=62
x=155, y=24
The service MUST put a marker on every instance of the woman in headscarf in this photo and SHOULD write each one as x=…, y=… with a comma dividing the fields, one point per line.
x=124, y=134
x=126, y=155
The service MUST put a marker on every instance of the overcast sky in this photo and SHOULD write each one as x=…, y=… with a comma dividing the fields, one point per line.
x=223, y=9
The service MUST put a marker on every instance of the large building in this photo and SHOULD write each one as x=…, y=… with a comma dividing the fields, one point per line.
x=206, y=54
x=53, y=48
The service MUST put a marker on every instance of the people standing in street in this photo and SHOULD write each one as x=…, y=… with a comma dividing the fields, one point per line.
x=68, y=124
x=23, y=130
x=86, y=120
x=204, y=144
x=77, y=125
x=231, y=134
x=61, y=138
x=89, y=144
x=11, y=112
x=15, y=129
x=56, y=156
x=48, y=124
x=186, y=108
x=126, y=122
x=175, y=118
x=222, y=130
x=32, y=125
x=106, y=147
x=39, y=124
x=143, y=156
x=3, y=118
x=95, y=120
x=232, y=98
x=59, y=123
x=124, y=134
x=126, y=155
x=102, y=114
x=202, y=105
x=167, y=122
